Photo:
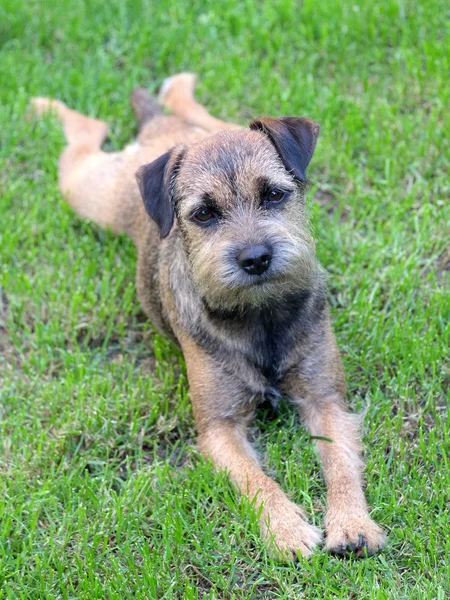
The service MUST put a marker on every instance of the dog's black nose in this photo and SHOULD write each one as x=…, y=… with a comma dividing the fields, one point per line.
x=255, y=259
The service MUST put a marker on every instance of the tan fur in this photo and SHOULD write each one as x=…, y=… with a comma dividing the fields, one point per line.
x=284, y=524
x=177, y=95
x=190, y=286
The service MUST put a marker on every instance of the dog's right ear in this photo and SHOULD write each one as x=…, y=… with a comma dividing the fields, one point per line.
x=155, y=182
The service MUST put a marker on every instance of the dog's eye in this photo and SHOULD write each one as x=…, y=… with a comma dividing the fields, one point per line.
x=204, y=215
x=276, y=196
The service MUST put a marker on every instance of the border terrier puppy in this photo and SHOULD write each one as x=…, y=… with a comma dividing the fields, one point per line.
x=227, y=268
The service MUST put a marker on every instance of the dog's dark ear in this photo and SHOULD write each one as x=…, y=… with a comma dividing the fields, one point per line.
x=155, y=182
x=294, y=139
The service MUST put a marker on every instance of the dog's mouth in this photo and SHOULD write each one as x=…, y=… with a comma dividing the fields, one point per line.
x=257, y=280
x=253, y=282
x=265, y=279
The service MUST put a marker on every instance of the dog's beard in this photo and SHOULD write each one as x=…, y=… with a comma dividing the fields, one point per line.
x=225, y=286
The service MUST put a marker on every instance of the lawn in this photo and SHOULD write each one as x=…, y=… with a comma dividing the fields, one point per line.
x=103, y=494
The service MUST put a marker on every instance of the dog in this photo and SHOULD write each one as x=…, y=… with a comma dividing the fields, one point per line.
x=227, y=268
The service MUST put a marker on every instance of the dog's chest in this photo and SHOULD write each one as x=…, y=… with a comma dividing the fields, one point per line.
x=268, y=347
x=256, y=346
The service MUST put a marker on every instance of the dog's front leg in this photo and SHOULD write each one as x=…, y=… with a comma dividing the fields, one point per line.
x=283, y=523
x=222, y=437
x=348, y=525
x=317, y=388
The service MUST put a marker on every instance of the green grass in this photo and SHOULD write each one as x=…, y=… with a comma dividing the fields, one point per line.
x=102, y=492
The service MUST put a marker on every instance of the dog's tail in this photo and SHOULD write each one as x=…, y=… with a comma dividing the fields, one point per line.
x=145, y=107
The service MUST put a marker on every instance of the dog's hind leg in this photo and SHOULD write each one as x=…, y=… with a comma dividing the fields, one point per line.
x=177, y=94
x=79, y=130
x=86, y=174
x=145, y=107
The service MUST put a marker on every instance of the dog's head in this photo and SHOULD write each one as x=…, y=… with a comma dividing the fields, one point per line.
x=238, y=200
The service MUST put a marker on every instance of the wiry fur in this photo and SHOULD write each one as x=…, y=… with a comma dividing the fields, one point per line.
x=244, y=338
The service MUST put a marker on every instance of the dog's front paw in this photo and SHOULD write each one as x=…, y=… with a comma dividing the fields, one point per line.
x=288, y=533
x=356, y=534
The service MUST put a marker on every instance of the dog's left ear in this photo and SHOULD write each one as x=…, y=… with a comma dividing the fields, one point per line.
x=155, y=182
x=294, y=139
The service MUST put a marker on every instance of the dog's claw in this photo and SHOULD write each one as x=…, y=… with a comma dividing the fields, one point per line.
x=359, y=548
x=363, y=547
x=359, y=536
